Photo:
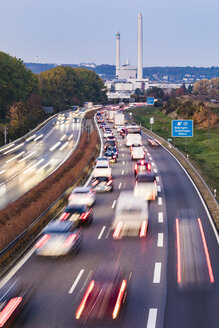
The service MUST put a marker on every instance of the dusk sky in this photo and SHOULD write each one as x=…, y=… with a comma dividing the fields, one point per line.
x=175, y=33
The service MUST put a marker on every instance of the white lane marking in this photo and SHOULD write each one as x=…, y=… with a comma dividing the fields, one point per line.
x=76, y=281
x=120, y=185
x=149, y=154
x=160, y=239
x=123, y=162
x=157, y=178
x=65, y=145
x=152, y=318
x=160, y=217
x=123, y=155
x=152, y=164
x=160, y=202
x=17, y=267
x=158, y=188
x=114, y=203
x=157, y=272
x=122, y=172
x=101, y=232
x=150, y=158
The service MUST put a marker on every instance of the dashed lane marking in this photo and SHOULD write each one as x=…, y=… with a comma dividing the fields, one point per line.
x=157, y=272
x=152, y=318
x=101, y=232
x=114, y=203
x=160, y=201
x=160, y=239
x=76, y=281
x=160, y=217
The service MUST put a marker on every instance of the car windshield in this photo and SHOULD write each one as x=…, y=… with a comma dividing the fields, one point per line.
x=75, y=209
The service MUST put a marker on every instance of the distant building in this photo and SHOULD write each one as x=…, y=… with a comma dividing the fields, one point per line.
x=90, y=65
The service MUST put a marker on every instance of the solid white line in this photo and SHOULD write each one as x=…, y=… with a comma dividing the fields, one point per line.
x=114, y=203
x=157, y=178
x=152, y=318
x=101, y=232
x=123, y=162
x=152, y=164
x=160, y=201
x=76, y=281
x=17, y=267
x=160, y=239
x=157, y=272
x=122, y=172
x=158, y=188
x=120, y=185
x=160, y=217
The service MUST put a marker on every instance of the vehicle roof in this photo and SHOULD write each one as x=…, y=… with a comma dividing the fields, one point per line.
x=81, y=189
x=106, y=272
x=58, y=226
x=127, y=201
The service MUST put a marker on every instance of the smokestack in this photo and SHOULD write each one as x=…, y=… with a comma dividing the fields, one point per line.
x=117, y=54
x=140, y=48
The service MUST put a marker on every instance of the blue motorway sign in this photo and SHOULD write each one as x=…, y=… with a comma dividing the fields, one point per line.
x=182, y=128
x=150, y=100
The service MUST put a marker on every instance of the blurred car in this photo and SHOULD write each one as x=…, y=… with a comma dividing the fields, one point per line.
x=102, y=184
x=76, y=120
x=108, y=143
x=102, y=125
x=15, y=298
x=142, y=166
x=110, y=154
x=100, y=119
x=114, y=150
x=146, y=185
x=59, y=238
x=79, y=214
x=107, y=133
x=154, y=143
x=131, y=216
x=102, y=160
x=119, y=128
x=82, y=196
x=138, y=152
x=122, y=133
x=104, y=296
x=111, y=137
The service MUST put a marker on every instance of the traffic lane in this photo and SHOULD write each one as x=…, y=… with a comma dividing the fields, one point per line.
x=25, y=175
x=90, y=255
x=180, y=305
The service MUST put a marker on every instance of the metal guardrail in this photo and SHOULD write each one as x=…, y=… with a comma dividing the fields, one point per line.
x=202, y=186
x=12, y=252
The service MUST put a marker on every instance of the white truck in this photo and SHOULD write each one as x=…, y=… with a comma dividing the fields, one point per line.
x=133, y=138
x=119, y=119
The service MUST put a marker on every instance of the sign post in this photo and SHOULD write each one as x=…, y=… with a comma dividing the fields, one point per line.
x=151, y=122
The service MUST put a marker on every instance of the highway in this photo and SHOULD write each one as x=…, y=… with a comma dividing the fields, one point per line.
x=23, y=164
x=157, y=295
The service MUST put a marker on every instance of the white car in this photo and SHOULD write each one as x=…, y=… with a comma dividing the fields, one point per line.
x=102, y=169
x=133, y=138
x=107, y=133
x=146, y=186
x=138, y=152
x=82, y=196
x=131, y=216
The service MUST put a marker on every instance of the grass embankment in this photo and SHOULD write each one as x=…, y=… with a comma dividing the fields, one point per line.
x=203, y=152
x=17, y=216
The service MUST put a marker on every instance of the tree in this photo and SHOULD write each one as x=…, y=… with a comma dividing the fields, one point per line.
x=16, y=82
x=156, y=93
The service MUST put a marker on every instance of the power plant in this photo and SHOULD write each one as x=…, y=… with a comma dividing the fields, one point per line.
x=128, y=78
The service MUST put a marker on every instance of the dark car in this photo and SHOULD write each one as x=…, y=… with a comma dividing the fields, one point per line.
x=114, y=150
x=110, y=155
x=59, y=238
x=108, y=143
x=79, y=214
x=104, y=296
x=112, y=137
x=14, y=302
x=102, y=184
x=142, y=166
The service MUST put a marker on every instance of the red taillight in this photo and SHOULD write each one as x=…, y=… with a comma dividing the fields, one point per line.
x=42, y=241
x=9, y=309
x=109, y=182
x=95, y=183
x=143, y=230
x=136, y=167
x=149, y=167
x=82, y=305
x=64, y=216
x=85, y=215
x=70, y=240
x=119, y=299
x=118, y=229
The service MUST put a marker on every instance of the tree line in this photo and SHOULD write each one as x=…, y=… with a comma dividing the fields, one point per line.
x=23, y=93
